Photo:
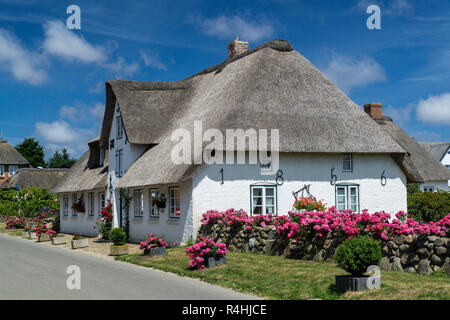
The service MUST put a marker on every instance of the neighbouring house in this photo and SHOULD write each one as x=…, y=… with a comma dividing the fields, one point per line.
x=440, y=151
x=434, y=175
x=10, y=161
x=84, y=184
x=34, y=177
x=326, y=142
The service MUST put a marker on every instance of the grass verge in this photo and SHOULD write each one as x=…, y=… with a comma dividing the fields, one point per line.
x=276, y=277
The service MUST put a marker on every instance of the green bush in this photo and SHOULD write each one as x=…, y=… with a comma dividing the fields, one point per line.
x=413, y=188
x=356, y=254
x=26, y=203
x=118, y=236
x=429, y=206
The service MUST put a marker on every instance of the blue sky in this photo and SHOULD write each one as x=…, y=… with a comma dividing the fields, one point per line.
x=52, y=79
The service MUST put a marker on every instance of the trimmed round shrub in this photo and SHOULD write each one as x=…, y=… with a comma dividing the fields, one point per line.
x=118, y=236
x=356, y=254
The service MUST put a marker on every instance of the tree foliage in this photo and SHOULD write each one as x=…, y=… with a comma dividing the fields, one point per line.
x=61, y=159
x=31, y=150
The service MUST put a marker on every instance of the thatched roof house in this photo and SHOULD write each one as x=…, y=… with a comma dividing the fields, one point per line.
x=426, y=164
x=326, y=142
x=86, y=173
x=269, y=87
x=9, y=155
x=31, y=177
x=437, y=149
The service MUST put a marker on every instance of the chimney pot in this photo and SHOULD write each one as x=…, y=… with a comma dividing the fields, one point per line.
x=236, y=47
x=375, y=110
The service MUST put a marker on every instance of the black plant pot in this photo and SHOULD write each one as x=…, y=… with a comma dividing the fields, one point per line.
x=351, y=283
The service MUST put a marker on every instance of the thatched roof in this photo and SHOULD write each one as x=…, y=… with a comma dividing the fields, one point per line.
x=429, y=168
x=81, y=178
x=269, y=87
x=437, y=149
x=30, y=177
x=9, y=155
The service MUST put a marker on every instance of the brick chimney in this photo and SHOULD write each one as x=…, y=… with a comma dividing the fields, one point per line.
x=237, y=47
x=375, y=110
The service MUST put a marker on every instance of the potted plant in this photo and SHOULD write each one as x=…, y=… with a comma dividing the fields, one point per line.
x=78, y=241
x=118, y=247
x=206, y=253
x=57, y=238
x=356, y=255
x=309, y=204
x=153, y=246
x=26, y=231
x=41, y=232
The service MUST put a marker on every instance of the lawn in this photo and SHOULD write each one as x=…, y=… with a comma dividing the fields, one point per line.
x=276, y=277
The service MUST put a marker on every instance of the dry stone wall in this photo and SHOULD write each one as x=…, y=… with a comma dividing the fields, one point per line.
x=416, y=254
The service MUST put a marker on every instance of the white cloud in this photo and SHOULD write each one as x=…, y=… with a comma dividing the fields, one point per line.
x=61, y=42
x=152, y=60
x=82, y=112
x=228, y=27
x=435, y=109
x=21, y=63
x=121, y=68
x=59, y=134
x=348, y=73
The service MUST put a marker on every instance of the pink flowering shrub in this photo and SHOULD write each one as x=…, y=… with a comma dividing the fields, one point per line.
x=51, y=233
x=343, y=224
x=152, y=242
x=17, y=223
x=201, y=251
x=40, y=229
x=231, y=218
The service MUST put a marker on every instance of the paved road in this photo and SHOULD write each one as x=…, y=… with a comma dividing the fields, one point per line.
x=29, y=270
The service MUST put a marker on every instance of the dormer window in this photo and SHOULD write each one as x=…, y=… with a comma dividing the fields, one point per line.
x=347, y=162
x=119, y=128
x=102, y=157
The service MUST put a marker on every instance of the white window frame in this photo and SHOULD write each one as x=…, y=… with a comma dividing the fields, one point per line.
x=263, y=197
x=91, y=204
x=173, y=204
x=119, y=163
x=153, y=209
x=344, y=161
x=138, y=204
x=428, y=189
x=119, y=124
x=2, y=170
x=101, y=202
x=348, y=197
x=65, y=205
x=74, y=200
x=13, y=172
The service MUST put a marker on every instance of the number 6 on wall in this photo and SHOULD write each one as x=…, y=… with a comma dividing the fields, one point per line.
x=383, y=179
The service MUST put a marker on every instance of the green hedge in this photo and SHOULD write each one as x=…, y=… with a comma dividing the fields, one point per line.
x=26, y=203
x=429, y=206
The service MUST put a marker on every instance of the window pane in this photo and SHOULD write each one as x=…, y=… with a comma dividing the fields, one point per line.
x=270, y=209
x=257, y=192
x=257, y=201
x=341, y=191
x=257, y=210
x=270, y=201
x=270, y=192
